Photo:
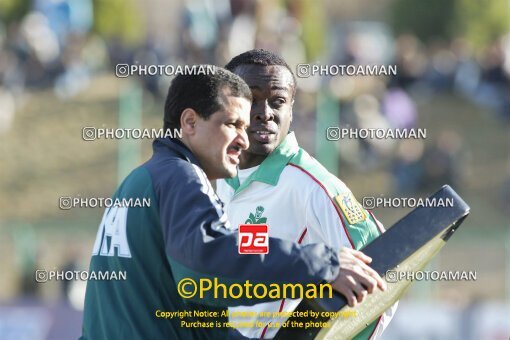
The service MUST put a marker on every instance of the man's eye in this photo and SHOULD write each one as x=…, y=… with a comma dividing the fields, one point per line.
x=278, y=102
x=237, y=126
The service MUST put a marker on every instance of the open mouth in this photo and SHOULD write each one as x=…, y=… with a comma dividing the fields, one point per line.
x=262, y=135
x=233, y=153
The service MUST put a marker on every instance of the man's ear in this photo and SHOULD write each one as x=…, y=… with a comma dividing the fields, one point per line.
x=291, y=110
x=188, y=121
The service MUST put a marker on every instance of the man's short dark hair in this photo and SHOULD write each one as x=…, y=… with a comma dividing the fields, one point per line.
x=202, y=93
x=260, y=57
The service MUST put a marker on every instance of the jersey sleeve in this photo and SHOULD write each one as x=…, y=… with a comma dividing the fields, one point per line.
x=322, y=217
x=199, y=244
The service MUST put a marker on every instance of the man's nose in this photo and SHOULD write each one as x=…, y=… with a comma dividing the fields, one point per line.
x=242, y=140
x=262, y=112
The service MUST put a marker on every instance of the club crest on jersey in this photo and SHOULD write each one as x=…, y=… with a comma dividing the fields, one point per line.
x=351, y=208
x=257, y=218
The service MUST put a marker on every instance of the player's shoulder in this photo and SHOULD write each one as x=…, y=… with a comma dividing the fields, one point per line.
x=222, y=183
x=303, y=167
x=298, y=176
x=224, y=190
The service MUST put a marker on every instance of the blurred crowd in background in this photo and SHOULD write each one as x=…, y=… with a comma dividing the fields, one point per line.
x=61, y=44
x=441, y=48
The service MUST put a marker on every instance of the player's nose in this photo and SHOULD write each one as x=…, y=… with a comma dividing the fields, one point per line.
x=262, y=111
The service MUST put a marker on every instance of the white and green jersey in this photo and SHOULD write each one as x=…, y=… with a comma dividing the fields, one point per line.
x=300, y=201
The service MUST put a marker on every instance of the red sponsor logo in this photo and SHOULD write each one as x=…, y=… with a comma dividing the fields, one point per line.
x=253, y=239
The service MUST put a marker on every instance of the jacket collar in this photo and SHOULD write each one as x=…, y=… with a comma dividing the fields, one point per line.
x=177, y=147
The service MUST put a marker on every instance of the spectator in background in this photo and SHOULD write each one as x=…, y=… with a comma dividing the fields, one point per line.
x=407, y=168
x=446, y=161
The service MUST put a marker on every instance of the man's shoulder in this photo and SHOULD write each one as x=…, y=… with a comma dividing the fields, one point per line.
x=171, y=167
x=302, y=165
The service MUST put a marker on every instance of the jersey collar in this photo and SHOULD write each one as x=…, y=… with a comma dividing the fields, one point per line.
x=270, y=169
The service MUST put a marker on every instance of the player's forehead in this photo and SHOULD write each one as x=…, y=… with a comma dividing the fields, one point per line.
x=266, y=78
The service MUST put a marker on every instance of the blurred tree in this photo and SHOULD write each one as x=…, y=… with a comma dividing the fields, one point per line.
x=119, y=19
x=481, y=22
x=428, y=20
x=314, y=28
x=312, y=16
x=14, y=10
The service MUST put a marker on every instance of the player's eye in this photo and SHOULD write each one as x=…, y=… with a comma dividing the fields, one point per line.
x=278, y=102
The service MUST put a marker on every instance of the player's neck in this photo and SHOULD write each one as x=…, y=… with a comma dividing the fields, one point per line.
x=248, y=160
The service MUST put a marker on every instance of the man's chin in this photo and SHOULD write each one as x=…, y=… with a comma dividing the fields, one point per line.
x=260, y=149
x=226, y=171
x=230, y=171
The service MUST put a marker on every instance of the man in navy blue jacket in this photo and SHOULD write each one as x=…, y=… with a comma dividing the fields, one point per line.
x=184, y=234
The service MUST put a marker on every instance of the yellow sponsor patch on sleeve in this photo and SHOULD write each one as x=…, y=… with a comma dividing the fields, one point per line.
x=351, y=208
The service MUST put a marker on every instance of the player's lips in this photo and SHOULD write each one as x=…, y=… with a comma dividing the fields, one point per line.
x=262, y=134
